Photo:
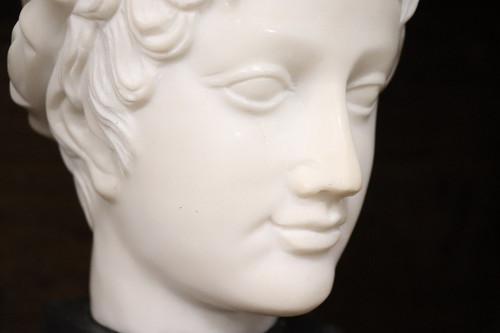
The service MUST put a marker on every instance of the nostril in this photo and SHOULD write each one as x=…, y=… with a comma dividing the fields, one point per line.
x=350, y=186
x=303, y=180
x=347, y=182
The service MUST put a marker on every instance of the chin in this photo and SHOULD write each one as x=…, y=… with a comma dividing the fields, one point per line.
x=287, y=298
x=296, y=309
x=291, y=306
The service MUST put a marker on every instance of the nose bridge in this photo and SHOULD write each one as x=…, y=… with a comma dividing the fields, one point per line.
x=332, y=162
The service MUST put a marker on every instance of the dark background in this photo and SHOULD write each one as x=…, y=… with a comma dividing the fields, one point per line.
x=425, y=256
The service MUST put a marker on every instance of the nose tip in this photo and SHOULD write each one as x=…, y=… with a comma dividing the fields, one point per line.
x=327, y=159
x=310, y=179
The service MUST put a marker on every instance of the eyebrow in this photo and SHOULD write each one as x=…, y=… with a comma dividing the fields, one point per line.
x=277, y=52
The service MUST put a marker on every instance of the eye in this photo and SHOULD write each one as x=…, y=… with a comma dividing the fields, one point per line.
x=258, y=94
x=258, y=88
x=362, y=94
x=363, y=100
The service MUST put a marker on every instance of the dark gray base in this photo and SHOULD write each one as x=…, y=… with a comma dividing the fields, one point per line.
x=70, y=316
x=74, y=316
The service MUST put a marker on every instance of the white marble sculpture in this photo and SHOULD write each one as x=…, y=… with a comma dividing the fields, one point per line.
x=221, y=149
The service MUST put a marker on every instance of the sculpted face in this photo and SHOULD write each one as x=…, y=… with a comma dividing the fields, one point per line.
x=253, y=156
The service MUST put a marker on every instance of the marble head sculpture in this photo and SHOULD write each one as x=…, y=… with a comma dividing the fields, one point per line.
x=220, y=149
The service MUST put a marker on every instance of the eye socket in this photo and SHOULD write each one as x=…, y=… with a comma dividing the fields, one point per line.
x=362, y=100
x=258, y=88
x=362, y=94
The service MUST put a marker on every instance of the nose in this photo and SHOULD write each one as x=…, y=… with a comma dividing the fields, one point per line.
x=329, y=161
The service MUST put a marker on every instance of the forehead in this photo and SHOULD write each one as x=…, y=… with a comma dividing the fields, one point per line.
x=232, y=29
x=308, y=15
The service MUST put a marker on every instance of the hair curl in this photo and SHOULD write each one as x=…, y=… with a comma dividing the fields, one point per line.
x=100, y=63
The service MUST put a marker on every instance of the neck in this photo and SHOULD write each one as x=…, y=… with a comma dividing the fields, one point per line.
x=127, y=297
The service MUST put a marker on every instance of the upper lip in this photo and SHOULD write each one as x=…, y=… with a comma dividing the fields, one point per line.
x=315, y=220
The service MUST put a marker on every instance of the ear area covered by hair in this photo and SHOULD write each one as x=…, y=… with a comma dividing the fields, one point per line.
x=91, y=160
x=104, y=176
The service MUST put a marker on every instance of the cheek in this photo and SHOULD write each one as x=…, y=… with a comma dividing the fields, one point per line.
x=197, y=188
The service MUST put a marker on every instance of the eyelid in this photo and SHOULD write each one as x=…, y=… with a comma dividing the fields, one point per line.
x=254, y=71
x=228, y=81
x=375, y=79
x=361, y=111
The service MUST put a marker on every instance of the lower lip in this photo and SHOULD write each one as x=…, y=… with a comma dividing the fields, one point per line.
x=305, y=241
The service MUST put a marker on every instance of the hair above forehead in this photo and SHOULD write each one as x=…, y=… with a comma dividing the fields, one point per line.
x=29, y=80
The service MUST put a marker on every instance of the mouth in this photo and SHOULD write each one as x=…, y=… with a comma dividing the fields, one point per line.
x=306, y=241
x=306, y=236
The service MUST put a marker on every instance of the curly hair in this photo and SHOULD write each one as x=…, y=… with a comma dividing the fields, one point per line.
x=95, y=62
x=109, y=60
